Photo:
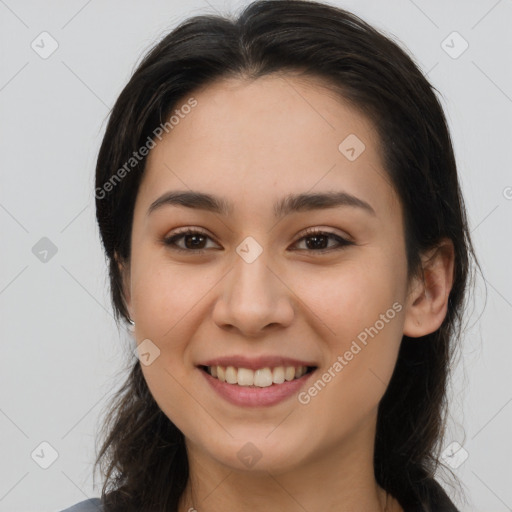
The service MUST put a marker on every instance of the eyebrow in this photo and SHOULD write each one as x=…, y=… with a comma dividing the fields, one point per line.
x=289, y=204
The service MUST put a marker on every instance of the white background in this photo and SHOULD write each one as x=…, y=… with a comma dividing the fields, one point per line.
x=61, y=353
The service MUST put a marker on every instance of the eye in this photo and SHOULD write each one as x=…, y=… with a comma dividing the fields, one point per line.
x=194, y=241
x=319, y=237
x=193, y=238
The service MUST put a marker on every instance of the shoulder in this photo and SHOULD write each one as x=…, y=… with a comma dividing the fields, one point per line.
x=91, y=505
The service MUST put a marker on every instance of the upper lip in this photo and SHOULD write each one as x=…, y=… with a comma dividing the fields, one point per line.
x=254, y=363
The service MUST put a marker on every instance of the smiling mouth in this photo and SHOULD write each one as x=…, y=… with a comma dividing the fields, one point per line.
x=260, y=378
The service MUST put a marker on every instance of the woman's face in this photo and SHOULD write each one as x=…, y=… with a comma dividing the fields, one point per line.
x=253, y=288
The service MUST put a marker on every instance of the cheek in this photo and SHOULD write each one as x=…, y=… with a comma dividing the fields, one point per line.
x=166, y=301
x=164, y=293
x=359, y=309
x=349, y=297
x=362, y=357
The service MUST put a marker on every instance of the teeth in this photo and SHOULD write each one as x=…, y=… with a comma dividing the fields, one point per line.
x=278, y=375
x=262, y=378
x=231, y=375
x=289, y=373
x=245, y=377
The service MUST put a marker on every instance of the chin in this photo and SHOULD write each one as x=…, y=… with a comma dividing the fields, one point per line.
x=253, y=454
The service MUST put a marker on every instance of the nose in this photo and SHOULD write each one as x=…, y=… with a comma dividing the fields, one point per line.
x=254, y=299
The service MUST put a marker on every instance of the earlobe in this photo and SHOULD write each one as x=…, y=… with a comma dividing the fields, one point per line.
x=427, y=302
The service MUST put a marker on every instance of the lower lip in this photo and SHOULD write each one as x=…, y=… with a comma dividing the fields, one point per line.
x=256, y=397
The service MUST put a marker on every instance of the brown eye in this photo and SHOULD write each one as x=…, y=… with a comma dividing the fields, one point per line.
x=194, y=241
x=318, y=241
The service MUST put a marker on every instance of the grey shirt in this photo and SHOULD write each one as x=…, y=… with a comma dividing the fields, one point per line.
x=91, y=505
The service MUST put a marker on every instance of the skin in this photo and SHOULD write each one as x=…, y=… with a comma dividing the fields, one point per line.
x=252, y=143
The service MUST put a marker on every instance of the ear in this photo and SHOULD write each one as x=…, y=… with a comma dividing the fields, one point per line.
x=124, y=270
x=427, y=300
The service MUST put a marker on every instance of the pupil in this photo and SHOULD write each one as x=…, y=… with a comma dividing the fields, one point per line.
x=195, y=241
x=316, y=244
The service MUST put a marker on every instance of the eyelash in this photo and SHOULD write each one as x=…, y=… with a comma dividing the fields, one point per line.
x=171, y=241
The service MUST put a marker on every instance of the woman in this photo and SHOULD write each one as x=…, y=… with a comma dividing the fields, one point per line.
x=278, y=199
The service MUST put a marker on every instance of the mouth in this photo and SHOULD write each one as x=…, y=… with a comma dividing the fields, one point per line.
x=257, y=378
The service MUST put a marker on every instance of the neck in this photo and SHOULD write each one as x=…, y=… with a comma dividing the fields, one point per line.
x=340, y=479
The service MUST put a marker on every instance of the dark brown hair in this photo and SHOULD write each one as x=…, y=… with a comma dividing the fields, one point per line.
x=143, y=456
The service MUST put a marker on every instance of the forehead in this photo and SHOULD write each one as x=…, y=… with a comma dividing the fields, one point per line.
x=261, y=139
